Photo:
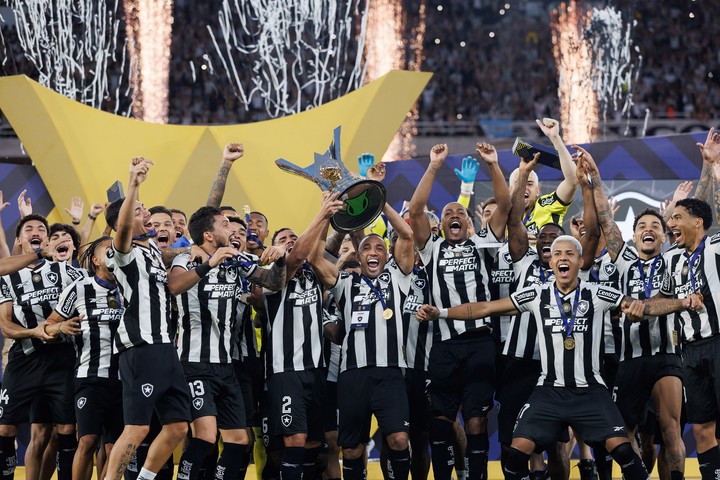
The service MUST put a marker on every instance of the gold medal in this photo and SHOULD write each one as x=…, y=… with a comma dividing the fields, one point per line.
x=566, y=307
x=685, y=270
x=387, y=313
x=113, y=303
x=36, y=278
x=569, y=343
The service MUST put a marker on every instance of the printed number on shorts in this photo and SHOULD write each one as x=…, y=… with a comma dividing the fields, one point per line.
x=265, y=425
x=197, y=389
x=4, y=397
x=286, y=402
x=614, y=394
x=523, y=409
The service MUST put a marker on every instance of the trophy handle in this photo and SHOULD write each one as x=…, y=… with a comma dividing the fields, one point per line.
x=307, y=172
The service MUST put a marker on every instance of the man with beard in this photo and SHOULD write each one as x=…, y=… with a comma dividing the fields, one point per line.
x=162, y=222
x=372, y=334
x=208, y=301
x=650, y=364
x=462, y=360
x=35, y=368
x=569, y=316
x=152, y=376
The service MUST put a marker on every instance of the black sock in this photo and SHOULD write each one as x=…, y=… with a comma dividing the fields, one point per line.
x=354, y=469
x=476, y=453
x=167, y=470
x=7, y=458
x=630, y=462
x=709, y=462
x=193, y=458
x=587, y=468
x=309, y=467
x=292, y=463
x=230, y=464
x=209, y=464
x=398, y=464
x=516, y=465
x=245, y=461
x=603, y=463
x=442, y=438
x=677, y=475
x=67, y=444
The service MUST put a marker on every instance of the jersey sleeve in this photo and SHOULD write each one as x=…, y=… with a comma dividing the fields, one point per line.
x=426, y=252
x=610, y=297
x=66, y=305
x=181, y=261
x=116, y=258
x=625, y=258
x=5, y=291
x=524, y=298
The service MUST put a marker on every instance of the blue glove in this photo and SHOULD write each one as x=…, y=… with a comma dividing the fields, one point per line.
x=180, y=243
x=365, y=161
x=469, y=170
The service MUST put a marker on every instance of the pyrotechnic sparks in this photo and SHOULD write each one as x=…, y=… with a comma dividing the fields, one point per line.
x=578, y=100
x=73, y=44
x=293, y=54
x=149, y=29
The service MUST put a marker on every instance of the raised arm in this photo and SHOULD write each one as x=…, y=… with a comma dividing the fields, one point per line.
x=468, y=311
x=418, y=221
x=466, y=174
x=138, y=174
x=326, y=270
x=317, y=231
x=613, y=238
x=704, y=186
x=404, y=252
x=498, y=220
x=590, y=240
x=518, y=243
x=95, y=210
x=711, y=156
x=232, y=152
x=567, y=188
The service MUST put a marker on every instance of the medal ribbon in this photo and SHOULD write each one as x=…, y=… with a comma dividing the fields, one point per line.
x=568, y=323
x=691, y=261
x=376, y=291
x=647, y=284
x=250, y=235
x=113, y=289
x=145, y=235
x=543, y=277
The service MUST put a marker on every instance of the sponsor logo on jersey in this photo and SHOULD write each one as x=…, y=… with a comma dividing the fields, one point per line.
x=608, y=295
x=525, y=297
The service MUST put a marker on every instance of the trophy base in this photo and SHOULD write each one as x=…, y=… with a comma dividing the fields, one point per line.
x=364, y=202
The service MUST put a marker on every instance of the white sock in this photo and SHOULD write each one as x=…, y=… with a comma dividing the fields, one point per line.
x=146, y=474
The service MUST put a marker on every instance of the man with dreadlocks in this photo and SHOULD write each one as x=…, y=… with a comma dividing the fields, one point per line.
x=98, y=390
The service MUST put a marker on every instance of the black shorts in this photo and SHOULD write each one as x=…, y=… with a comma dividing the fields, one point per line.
x=98, y=407
x=609, y=368
x=330, y=407
x=45, y=378
x=252, y=414
x=462, y=372
x=701, y=375
x=215, y=392
x=548, y=412
x=153, y=381
x=271, y=442
x=635, y=380
x=296, y=400
x=363, y=392
x=517, y=378
x=416, y=383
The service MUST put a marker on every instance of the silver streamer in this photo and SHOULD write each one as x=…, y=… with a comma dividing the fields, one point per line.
x=293, y=54
x=73, y=44
x=615, y=60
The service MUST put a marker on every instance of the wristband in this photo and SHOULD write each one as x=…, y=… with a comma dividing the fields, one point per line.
x=76, y=222
x=203, y=269
x=443, y=313
x=91, y=217
x=466, y=188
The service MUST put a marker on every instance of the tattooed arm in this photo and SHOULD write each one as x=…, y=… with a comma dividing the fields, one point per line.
x=232, y=152
x=418, y=220
x=469, y=311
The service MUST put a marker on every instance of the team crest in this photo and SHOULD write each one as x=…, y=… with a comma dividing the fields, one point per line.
x=419, y=283
x=286, y=420
x=198, y=403
x=508, y=258
x=583, y=307
x=81, y=402
x=231, y=274
x=51, y=277
x=384, y=277
x=609, y=268
x=147, y=389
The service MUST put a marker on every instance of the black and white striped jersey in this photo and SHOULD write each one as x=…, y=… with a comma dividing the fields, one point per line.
x=244, y=342
x=34, y=292
x=331, y=351
x=643, y=279
x=294, y=334
x=370, y=339
x=604, y=272
x=702, y=274
x=522, y=341
x=419, y=336
x=459, y=274
x=208, y=311
x=101, y=305
x=142, y=279
x=578, y=366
